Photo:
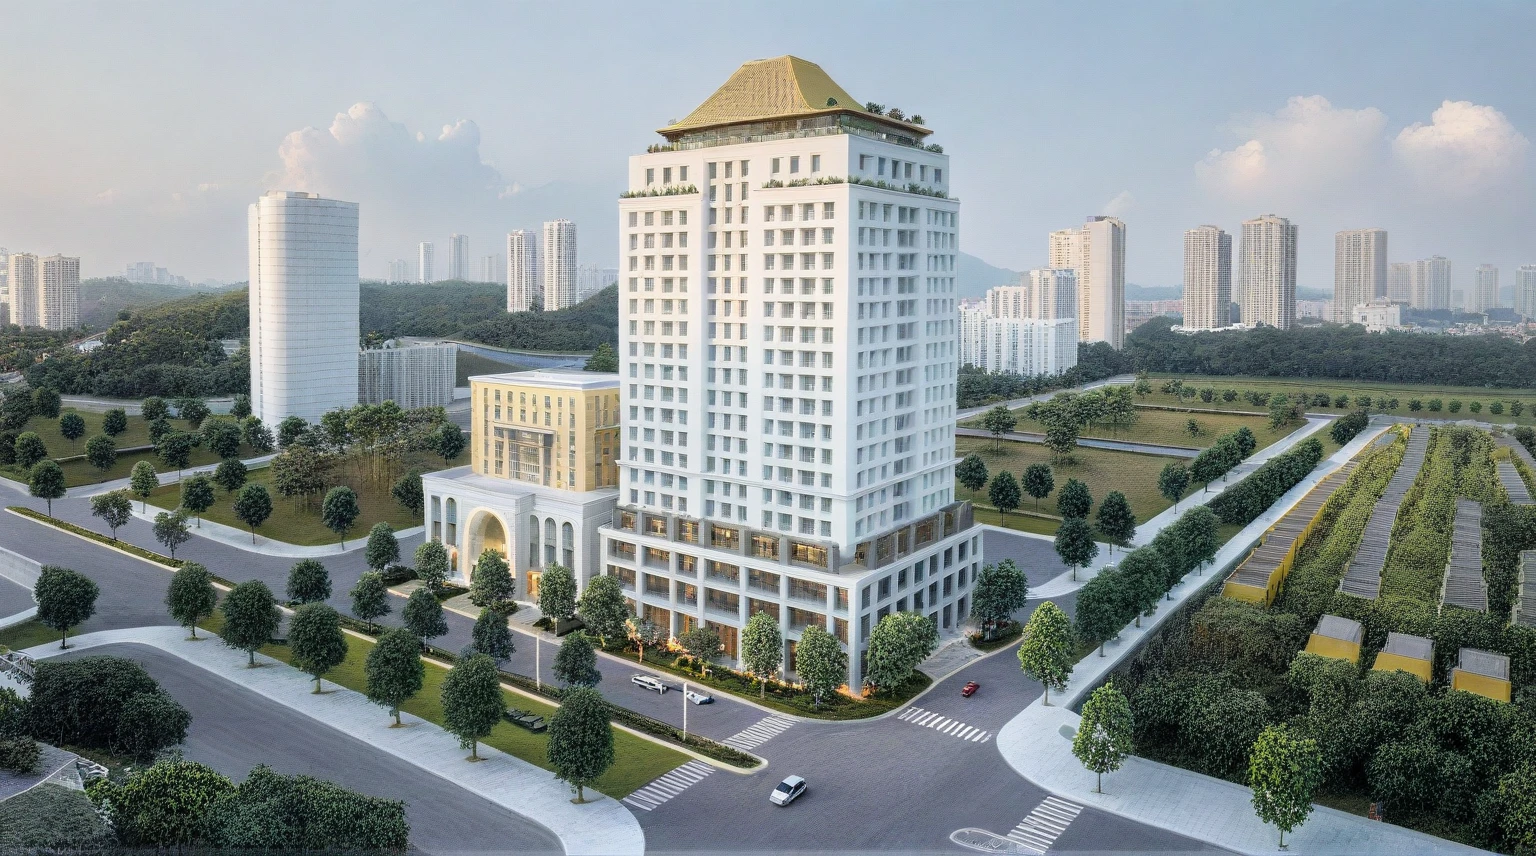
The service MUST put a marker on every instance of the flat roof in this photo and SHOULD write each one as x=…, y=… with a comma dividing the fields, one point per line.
x=1485, y=663
x=1406, y=645
x=1335, y=627
x=553, y=379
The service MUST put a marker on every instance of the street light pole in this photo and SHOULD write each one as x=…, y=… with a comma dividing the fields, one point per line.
x=685, y=711
x=537, y=639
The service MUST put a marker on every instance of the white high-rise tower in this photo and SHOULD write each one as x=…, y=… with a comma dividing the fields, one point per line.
x=1267, y=272
x=1485, y=288
x=788, y=361
x=1432, y=283
x=1359, y=270
x=304, y=303
x=58, y=292
x=1525, y=291
x=458, y=257
x=1400, y=282
x=424, y=253
x=23, y=284
x=559, y=264
x=523, y=288
x=1096, y=250
x=1207, y=278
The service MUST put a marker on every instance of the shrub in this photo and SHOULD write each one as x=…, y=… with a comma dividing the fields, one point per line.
x=1243, y=502
x=94, y=702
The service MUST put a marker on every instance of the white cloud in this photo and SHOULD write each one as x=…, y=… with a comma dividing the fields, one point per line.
x=1120, y=205
x=1465, y=149
x=1307, y=146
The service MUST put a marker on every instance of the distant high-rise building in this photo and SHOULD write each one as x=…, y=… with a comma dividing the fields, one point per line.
x=458, y=257
x=491, y=268
x=1525, y=291
x=1267, y=272
x=1007, y=301
x=304, y=305
x=1207, y=278
x=1485, y=289
x=424, y=253
x=1400, y=282
x=400, y=271
x=58, y=294
x=523, y=289
x=1432, y=283
x=1052, y=293
x=1096, y=250
x=590, y=279
x=23, y=283
x=5, y=285
x=559, y=265
x=1359, y=270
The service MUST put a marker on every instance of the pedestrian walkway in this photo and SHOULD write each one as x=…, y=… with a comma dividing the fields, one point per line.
x=944, y=725
x=1045, y=824
x=668, y=785
x=600, y=826
x=759, y=733
x=240, y=539
x=954, y=654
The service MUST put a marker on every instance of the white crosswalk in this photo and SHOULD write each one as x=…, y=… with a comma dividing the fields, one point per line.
x=944, y=725
x=669, y=785
x=764, y=730
x=1045, y=824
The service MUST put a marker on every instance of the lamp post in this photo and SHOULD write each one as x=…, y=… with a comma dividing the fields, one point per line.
x=685, y=711
x=538, y=638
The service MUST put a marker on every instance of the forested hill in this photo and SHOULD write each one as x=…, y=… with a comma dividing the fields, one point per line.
x=477, y=312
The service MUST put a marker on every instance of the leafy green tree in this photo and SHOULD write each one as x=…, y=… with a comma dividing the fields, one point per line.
x=1455, y=406
x=71, y=426
x=30, y=449
x=383, y=548
x=241, y=406
x=604, y=359
x=557, y=593
x=158, y=429
x=175, y=449
x=1146, y=578
x=230, y=474
x=1516, y=797
x=192, y=409
x=165, y=805
x=448, y=441
x=703, y=644
x=221, y=435
x=1000, y=591
x=142, y=481
x=46, y=402
x=154, y=407
x=171, y=530
x=1434, y=405
x=1245, y=441
x=423, y=614
x=602, y=608
x=407, y=491
x=308, y=582
x=490, y=583
x=472, y=701
x=644, y=633
x=64, y=598
x=1285, y=771
x=1101, y=608
x=394, y=670
x=998, y=421
x=254, y=433
x=197, y=496
x=1004, y=492
x=114, y=508
x=114, y=421
x=1061, y=438
x=762, y=649
x=191, y=596
x=1198, y=535
x=971, y=472
x=290, y=430
x=1074, y=500
x=253, y=505
x=370, y=596
x=1172, y=482
x=1045, y=653
x=101, y=452
x=580, y=744
x=1039, y=482
x=47, y=482
x=491, y=636
x=576, y=661
x=432, y=564
x=250, y=617
x=339, y=511
x=316, y=641
x=1115, y=521
x=1075, y=544
x=1105, y=734
x=821, y=663
x=899, y=642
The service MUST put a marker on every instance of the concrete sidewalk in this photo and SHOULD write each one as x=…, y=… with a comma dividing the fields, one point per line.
x=240, y=539
x=601, y=826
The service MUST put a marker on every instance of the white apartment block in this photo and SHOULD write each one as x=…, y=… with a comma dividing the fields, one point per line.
x=1400, y=282
x=1267, y=272
x=523, y=289
x=412, y=377
x=491, y=268
x=1432, y=283
x=1207, y=279
x=973, y=315
x=1008, y=301
x=787, y=329
x=1096, y=250
x=590, y=279
x=1485, y=289
x=400, y=271
x=304, y=303
x=58, y=293
x=458, y=257
x=1028, y=346
x=1378, y=316
x=1053, y=295
x=1359, y=270
x=1525, y=291
x=23, y=282
x=424, y=253
x=559, y=253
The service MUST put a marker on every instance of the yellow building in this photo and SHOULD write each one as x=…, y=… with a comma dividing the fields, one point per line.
x=542, y=477
x=1404, y=653
x=1336, y=637
x=1483, y=672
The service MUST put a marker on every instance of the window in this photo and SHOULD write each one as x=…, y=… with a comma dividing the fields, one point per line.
x=773, y=167
x=794, y=164
x=650, y=176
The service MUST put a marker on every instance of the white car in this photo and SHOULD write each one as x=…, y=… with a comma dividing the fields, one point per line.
x=646, y=682
x=788, y=791
x=697, y=697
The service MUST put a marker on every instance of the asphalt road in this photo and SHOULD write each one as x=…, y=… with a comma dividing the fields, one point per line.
x=14, y=598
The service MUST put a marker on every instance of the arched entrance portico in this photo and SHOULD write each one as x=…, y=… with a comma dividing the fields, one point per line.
x=487, y=531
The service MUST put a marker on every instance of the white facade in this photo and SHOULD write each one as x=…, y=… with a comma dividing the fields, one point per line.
x=559, y=253
x=1359, y=270
x=400, y=271
x=1207, y=279
x=1432, y=283
x=458, y=257
x=1267, y=272
x=973, y=317
x=415, y=376
x=1378, y=316
x=1096, y=250
x=1400, y=282
x=1525, y=291
x=23, y=282
x=1053, y=295
x=304, y=305
x=58, y=293
x=1016, y=345
x=492, y=268
x=523, y=289
x=424, y=269
x=1485, y=289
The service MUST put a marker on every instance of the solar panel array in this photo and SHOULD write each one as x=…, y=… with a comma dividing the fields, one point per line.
x=1525, y=605
x=1464, y=584
x=1363, y=576
x=1281, y=541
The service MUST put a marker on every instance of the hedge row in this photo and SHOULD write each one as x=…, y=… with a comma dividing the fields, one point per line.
x=1243, y=502
x=1122, y=593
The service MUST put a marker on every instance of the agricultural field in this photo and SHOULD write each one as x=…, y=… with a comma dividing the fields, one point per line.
x=1404, y=393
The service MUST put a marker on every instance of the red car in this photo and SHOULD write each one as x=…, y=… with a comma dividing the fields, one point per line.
x=969, y=689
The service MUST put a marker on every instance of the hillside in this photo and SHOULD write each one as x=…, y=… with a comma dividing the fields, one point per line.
x=102, y=299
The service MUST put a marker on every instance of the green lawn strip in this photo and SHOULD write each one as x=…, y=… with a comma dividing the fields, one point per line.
x=137, y=433
x=1168, y=427
x=80, y=472
x=1103, y=470
x=51, y=816
x=1402, y=392
x=27, y=634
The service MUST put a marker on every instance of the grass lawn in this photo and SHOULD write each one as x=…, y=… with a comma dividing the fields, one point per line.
x=79, y=473
x=48, y=429
x=1170, y=428
x=1401, y=391
x=26, y=635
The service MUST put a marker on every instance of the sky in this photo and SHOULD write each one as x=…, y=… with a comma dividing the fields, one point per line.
x=142, y=131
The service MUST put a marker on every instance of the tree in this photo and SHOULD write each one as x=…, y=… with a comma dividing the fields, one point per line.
x=576, y=661
x=1101, y=608
x=971, y=472
x=1104, y=736
x=472, y=701
x=370, y=596
x=256, y=434
x=762, y=648
x=603, y=359
x=490, y=583
x=290, y=430
x=71, y=426
x=580, y=744
x=491, y=636
x=316, y=641
x=154, y=407
x=308, y=582
x=64, y=598
x=1001, y=590
x=1145, y=577
x=1075, y=544
x=221, y=435
x=407, y=491
x=114, y=421
x=383, y=549
x=1245, y=441
x=1172, y=482
x=899, y=642
x=300, y=470
x=192, y=409
x=1285, y=771
x=1198, y=535
x=998, y=421
x=339, y=511
x=394, y=670
x=241, y=406
x=645, y=633
x=1039, y=482
x=820, y=662
x=197, y=496
x=1115, y=521
x=1045, y=653
x=164, y=806
x=114, y=508
x=250, y=617
x=253, y=505
x=230, y=474
x=602, y=608
x=1061, y=438
x=423, y=615
x=1074, y=500
x=557, y=593
x=47, y=482
x=158, y=429
x=191, y=596
x=142, y=481
x=29, y=449
x=1003, y=492
x=171, y=530
x=703, y=644
x=46, y=402
x=448, y=441
x=101, y=452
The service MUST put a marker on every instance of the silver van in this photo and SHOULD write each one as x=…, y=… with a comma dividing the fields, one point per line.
x=646, y=682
